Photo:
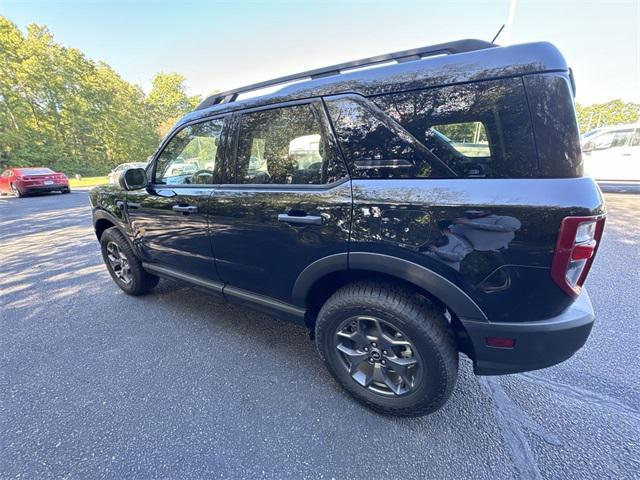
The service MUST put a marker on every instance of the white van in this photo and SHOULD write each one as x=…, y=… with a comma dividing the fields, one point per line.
x=613, y=153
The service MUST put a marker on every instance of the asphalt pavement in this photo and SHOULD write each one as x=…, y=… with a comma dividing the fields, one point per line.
x=97, y=384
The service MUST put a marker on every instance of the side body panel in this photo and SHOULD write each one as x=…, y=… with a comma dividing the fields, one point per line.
x=257, y=253
x=509, y=228
x=172, y=238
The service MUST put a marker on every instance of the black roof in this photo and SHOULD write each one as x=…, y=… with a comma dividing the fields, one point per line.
x=459, y=62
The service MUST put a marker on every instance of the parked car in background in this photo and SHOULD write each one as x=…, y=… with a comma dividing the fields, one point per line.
x=115, y=173
x=25, y=181
x=613, y=153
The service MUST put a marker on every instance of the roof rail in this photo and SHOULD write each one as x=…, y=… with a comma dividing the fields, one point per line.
x=459, y=46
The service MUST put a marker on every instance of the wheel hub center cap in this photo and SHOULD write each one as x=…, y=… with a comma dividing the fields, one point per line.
x=375, y=355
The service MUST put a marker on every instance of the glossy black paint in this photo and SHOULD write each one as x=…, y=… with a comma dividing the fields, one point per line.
x=171, y=237
x=481, y=246
x=507, y=272
x=256, y=252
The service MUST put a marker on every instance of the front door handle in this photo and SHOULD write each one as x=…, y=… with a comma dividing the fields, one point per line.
x=122, y=204
x=185, y=209
x=304, y=219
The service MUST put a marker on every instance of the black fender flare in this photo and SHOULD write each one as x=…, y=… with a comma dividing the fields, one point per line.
x=440, y=287
x=101, y=214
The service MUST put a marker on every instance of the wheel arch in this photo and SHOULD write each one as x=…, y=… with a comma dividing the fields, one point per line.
x=101, y=224
x=323, y=277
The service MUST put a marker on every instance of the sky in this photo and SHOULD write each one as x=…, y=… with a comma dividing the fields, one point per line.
x=222, y=45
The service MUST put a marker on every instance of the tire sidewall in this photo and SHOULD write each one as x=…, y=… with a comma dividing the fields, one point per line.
x=136, y=269
x=433, y=378
x=16, y=191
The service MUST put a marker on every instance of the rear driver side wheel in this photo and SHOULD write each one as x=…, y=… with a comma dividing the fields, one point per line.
x=124, y=266
x=16, y=191
x=392, y=350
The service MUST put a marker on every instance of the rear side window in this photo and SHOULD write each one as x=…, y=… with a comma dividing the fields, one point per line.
x=471, y=130
x=286, y=146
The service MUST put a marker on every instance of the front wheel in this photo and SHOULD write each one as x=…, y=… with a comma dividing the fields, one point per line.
x=124, y=266
x=391, y=349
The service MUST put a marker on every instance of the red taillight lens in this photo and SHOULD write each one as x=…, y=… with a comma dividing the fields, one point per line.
x=578, y=241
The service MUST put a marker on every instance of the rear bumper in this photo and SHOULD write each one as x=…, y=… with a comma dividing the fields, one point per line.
x=43, y=188
x=537, y=344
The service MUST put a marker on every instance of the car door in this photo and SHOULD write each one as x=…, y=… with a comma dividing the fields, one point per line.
x=168, y=219
x=285, y=203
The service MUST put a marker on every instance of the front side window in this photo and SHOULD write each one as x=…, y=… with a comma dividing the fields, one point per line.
x=287, y=146
x=190, y=156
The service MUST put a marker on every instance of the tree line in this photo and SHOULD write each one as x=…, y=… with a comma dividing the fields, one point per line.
x=60, y=109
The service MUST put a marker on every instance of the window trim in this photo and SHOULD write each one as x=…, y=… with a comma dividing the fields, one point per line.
x=234, y=144
x=152, y=167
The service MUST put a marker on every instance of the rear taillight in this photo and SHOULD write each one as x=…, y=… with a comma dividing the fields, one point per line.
x=578, y=241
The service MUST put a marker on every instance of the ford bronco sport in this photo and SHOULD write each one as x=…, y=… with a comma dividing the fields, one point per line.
x=432, y=205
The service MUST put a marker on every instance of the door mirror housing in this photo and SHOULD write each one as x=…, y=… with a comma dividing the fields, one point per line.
x=133, y=179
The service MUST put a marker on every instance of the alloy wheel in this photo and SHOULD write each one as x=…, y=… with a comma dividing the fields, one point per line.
x=119, y=263
x=378, y=356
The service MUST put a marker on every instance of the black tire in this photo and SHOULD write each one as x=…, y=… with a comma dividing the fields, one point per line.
x=16, y=191
x=413, y=318
x=67, y=190
x=139, y=280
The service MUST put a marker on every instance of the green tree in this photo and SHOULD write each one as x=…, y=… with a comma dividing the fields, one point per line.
x=168, y=101
x=60, y=109
x=613, y=112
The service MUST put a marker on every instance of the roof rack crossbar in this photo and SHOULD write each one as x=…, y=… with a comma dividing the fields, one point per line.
x=459, y=46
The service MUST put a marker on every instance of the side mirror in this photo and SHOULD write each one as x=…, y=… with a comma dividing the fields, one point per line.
x=133, y=179
x=588, y=147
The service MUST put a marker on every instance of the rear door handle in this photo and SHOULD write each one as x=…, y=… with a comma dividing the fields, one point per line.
x=305, y=219
x=185, y=209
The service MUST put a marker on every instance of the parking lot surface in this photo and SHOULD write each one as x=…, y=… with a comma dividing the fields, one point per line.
x=96, y=384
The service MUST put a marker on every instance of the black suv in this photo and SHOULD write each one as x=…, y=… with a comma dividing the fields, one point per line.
x=432, y=205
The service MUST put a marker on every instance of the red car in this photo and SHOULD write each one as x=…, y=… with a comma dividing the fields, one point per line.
x=23, y=181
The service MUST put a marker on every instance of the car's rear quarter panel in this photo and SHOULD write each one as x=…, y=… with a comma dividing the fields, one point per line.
x=508, y=275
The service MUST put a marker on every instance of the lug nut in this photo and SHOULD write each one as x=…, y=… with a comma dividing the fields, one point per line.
x=366, y=349
x=383, y=361
x=374, y=344
x=384, y=352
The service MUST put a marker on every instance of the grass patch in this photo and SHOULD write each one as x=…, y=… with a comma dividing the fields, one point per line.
x=88, y=182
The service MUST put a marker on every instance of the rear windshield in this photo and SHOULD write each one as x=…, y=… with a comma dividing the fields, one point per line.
x=480, y=129
x=35, y=171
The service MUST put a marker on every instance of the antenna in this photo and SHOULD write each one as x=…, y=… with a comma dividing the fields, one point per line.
x=498, y=34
